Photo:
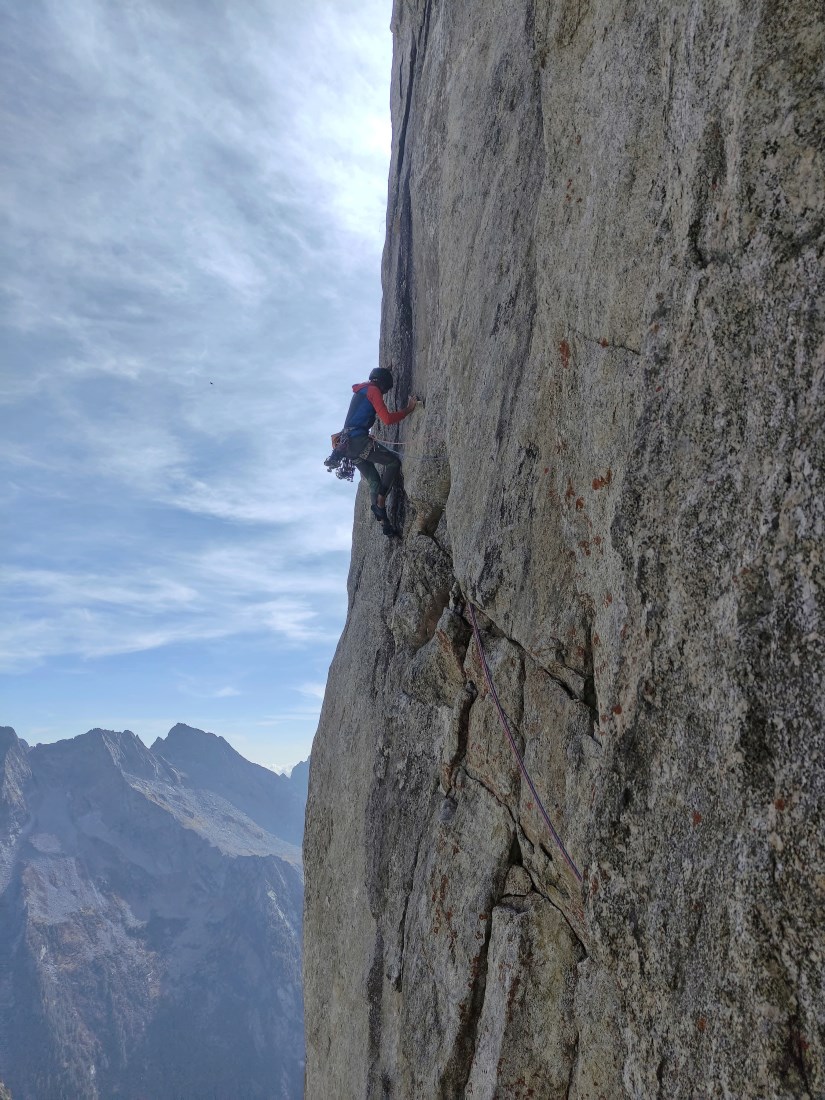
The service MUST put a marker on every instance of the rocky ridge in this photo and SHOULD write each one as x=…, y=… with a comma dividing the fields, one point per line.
x=150, y=924
x=603, y=272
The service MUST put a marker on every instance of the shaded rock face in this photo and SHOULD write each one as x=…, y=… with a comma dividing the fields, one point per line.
x=149, y=928
x=603, y=272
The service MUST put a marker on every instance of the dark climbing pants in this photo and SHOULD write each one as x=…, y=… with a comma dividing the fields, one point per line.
x=381, y=484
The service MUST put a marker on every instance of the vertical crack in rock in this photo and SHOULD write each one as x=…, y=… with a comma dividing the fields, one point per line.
x=375, y=989
x=454, y=1080
x=573, y=1067
x=402, y=341
x=398, y=981
x=455, y=746
x=402, y=136
x=417, y=48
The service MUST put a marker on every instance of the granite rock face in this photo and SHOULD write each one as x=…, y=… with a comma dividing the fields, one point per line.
x=149, y=927
x=603, y=272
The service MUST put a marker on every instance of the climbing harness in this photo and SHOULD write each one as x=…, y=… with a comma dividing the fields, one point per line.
x=342, y=464
x=523, y=768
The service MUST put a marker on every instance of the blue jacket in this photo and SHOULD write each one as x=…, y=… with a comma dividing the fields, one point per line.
x=367, y=402
x=361, y=415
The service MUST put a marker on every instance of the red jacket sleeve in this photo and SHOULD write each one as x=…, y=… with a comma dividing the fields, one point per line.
x=376, y=399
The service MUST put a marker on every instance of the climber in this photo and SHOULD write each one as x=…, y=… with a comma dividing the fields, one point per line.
x=354, y=446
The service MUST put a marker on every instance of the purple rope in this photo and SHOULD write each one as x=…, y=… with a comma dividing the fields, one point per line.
x=506, y=726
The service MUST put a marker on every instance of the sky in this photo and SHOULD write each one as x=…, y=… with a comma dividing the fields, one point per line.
x=192, y=212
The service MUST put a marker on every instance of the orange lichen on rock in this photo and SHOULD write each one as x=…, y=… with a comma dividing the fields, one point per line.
x=601, y=482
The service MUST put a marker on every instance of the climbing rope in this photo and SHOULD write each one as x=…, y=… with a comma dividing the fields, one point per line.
x=390, y=445
x=523, y=768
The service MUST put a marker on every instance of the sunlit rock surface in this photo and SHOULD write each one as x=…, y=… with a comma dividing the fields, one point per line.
x=149, y=927
x=603, y=273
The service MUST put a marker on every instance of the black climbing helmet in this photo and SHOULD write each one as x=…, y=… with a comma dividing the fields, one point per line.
x=382, y=378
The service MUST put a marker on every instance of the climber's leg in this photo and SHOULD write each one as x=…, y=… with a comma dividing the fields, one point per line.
x=392, y=467
x=369, y=473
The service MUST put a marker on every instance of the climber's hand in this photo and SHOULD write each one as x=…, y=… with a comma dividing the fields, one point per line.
x=413, y=401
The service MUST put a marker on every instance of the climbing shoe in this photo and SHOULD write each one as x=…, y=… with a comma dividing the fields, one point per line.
x=380, y=513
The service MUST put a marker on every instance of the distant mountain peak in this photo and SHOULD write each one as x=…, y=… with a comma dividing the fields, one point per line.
x=181, y=736
x=181, y=729
x=208, y=762
x=8, y=737
x=100, y=751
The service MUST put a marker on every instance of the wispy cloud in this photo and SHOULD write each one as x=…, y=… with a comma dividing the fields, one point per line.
x=174, y=597
x=200, y=687
x=225, y=153
x=313, y=690
x=192, y=200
